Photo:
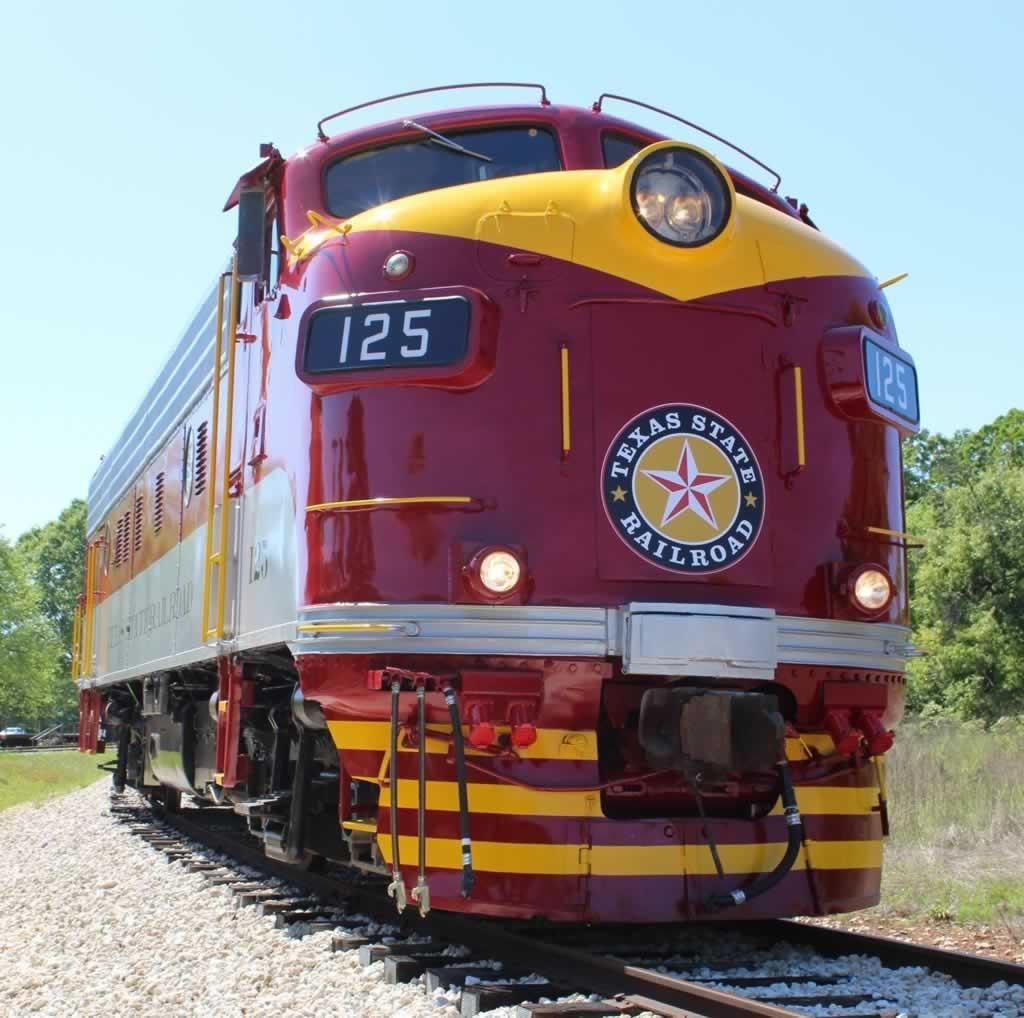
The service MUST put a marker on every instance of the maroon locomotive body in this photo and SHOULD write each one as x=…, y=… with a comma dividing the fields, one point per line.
x=520, y=518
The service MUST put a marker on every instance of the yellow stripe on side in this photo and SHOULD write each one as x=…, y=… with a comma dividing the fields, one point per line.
x=656, y=860
x=551, y=744
x=815, y=800
x=513, y=800
x=634, y=860
x=503, y=799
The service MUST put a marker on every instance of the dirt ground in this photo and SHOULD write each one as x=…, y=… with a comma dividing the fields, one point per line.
x=1003, y=942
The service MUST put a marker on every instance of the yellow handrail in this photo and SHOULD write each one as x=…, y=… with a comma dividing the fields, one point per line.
x=211, y=489
x=222, y=587
x=221, y=484
x=90, y=604
x=798, y=396
x=566, y=432
x=76, y=641
x=386, y=501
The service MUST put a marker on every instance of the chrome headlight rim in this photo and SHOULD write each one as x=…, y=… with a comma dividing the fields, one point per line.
x=696, y=158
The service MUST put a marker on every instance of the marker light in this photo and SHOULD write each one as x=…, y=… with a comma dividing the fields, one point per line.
x=681, y=196
x=500, y=572
x=870, y=589
x=398, y=265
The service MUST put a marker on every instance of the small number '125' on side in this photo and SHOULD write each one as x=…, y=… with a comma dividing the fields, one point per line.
x=395, y=334
x=891, y=381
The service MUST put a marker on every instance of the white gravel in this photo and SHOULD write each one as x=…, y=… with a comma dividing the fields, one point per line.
x=93, y=922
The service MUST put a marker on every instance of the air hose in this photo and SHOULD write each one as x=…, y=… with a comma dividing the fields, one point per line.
x=468, y=877
x=794, y=827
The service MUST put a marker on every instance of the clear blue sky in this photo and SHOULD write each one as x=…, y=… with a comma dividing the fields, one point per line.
x=125, y=126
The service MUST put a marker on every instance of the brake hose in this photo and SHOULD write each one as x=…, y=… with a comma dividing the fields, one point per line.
x=460, y=773
x=794, y=827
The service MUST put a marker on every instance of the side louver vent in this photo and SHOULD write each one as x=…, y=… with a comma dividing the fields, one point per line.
x=158, y=503
x=201, y=459
x=137, y=525
x=121, y=538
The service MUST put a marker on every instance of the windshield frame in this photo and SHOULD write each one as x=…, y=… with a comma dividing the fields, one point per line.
x=405, y=136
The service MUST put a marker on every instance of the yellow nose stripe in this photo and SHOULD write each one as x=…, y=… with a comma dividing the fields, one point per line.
x=585, y=216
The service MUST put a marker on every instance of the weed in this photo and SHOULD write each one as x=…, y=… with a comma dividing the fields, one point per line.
x=957, y=819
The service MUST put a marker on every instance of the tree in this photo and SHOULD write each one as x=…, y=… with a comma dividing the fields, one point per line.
x=968, y=583
x=29, y=646
x=55, y=555
x=934, y=463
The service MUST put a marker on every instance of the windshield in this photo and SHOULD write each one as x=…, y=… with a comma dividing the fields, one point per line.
x=358, y=182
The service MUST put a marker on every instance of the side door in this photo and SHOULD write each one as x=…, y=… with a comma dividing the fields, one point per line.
x=267, y=581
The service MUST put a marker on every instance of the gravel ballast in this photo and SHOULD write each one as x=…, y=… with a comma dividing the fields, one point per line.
x=94, y=923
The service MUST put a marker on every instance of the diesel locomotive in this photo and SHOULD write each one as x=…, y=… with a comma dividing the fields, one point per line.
x=519, y=518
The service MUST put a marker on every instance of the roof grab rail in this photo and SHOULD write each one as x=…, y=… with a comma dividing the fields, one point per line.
x=544, y=101
x=689, y=123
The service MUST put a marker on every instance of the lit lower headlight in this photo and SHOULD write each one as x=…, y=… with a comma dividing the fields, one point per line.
x=681, y=196
x=870, y=589
x=500, y=572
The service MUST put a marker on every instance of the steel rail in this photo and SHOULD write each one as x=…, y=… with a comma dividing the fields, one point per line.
x=570, y=966
x=967, y=969
x=38, y=749
x=535, y=947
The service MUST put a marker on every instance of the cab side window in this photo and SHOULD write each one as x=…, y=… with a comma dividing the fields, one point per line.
x=617, y=148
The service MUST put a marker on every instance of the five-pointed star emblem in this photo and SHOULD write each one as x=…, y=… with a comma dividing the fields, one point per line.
x=687, y=488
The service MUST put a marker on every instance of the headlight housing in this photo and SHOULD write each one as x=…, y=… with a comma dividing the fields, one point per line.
x=681, y=196
x=870, y=589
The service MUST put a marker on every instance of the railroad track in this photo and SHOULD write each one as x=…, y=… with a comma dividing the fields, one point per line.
x=768, y=969
x=38, y=749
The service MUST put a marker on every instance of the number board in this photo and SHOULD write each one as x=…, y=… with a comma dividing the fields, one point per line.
x=392, y=334
x=891, y=381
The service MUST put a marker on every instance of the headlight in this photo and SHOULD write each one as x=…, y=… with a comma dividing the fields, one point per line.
x=681, y=196
x=500, y=572
x=870, y=589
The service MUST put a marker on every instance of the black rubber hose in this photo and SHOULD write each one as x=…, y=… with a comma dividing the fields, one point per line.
x=124, y=738
x=794, y=827
x=468, y=876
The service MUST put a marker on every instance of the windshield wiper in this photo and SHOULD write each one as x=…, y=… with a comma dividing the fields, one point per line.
x=440, y=139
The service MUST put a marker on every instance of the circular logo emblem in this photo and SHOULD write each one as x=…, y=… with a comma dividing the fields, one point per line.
x=683, y=489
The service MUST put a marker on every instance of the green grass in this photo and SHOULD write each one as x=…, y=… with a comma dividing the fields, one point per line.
x=35, y=777
x=956, y=804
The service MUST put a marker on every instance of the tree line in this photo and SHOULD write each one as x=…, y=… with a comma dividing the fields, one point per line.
x=965, y=500
x=40, y=582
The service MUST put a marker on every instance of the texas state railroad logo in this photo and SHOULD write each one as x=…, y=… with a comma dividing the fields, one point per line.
x=683, y=489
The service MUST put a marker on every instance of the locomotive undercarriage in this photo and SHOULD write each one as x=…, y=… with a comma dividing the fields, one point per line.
x=666, y=748
x=165, y=728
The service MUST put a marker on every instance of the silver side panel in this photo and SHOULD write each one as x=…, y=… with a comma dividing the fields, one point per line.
x=868, y=645
x=453, y=629
x=153, y=622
